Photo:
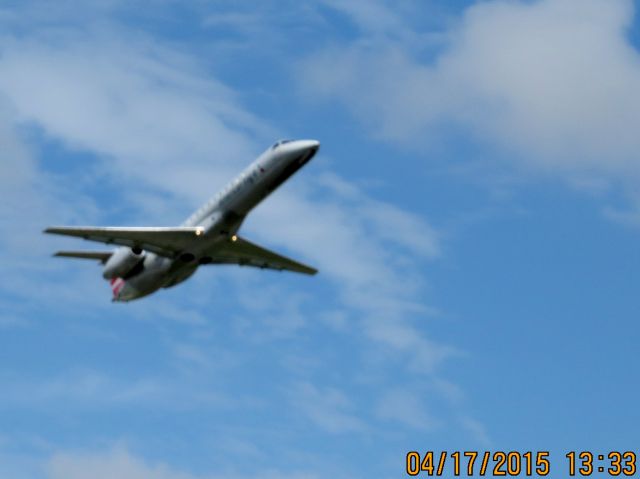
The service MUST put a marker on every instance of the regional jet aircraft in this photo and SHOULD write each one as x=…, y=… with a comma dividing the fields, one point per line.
x=151, y=258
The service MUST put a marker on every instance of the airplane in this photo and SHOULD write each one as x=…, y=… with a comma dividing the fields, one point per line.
x=151, y=258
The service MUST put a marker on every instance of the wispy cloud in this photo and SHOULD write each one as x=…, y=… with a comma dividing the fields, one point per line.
x=406, y=407
x=478, y=431
x=328, y=408
x=119, y=462
x=137, y=106
x=94, y=390
x=550, y=83
x=371, y=250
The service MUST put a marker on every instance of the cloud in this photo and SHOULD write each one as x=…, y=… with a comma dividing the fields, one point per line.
x=477, y=430
x=31, y=197
x=89, y=390
x=551, y=83
x=627, y=215
x=371, y=17
x=373, y=253
x=119, y=462
x=138, y=106
x=406, y=407
x=11, y=321
x=328, y=408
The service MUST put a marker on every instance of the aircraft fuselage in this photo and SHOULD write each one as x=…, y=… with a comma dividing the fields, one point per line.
x=218, y=219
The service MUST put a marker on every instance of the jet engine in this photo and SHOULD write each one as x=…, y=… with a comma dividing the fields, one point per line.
x=122, y=262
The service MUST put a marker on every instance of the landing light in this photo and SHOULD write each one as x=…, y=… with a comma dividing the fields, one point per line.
x=234, y=238
x=198, y=231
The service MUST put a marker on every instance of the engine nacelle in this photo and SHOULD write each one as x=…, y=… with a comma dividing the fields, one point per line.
x=122, y=262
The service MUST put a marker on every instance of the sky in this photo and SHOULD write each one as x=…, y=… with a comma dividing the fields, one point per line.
x=474, y=211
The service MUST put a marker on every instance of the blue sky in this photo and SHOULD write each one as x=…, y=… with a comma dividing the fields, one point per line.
x=474, y=213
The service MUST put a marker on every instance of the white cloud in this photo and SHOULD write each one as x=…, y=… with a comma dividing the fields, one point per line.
x=553, y=83
x=12, y=321
x=328, y=408
x=116, y=463
x=406, y=407
x=372, y=251
x=120, y=463
x=21, y=466
x=478, y=431
x=137, y=105
x=371, y=17
x=88, y=390
x=31, y=197
x=627, y=215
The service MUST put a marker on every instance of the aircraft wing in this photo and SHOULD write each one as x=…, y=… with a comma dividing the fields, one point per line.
x=245, y=253
x=163, y=241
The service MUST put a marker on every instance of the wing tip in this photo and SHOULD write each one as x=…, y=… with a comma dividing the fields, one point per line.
x=56, y=229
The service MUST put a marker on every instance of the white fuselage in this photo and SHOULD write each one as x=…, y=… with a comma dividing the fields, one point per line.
x=220, y=218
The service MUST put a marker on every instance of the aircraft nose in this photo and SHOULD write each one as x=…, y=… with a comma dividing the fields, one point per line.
x=306, y=148
x=298, y=150
x=311, y=145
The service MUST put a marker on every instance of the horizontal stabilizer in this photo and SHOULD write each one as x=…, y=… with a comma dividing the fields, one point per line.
x=101, y=256
x=245, y=253
x=160, y=240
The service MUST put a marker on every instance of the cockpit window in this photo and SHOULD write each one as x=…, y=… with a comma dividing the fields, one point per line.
x=280, y=142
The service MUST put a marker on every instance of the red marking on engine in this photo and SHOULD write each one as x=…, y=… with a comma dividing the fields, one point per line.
x=116, y=285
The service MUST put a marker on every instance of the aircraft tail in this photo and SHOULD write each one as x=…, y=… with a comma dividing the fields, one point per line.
x=101, y=256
